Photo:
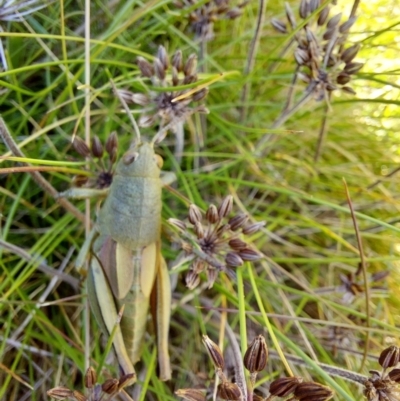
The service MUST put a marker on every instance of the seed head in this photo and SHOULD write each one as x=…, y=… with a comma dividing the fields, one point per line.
x=215, y=243
x=203, y=18
x=319, y=54
x=168, y=108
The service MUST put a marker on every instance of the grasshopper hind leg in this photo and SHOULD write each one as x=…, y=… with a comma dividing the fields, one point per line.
x=103, y=307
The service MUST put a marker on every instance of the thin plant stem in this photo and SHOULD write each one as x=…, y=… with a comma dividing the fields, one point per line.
x=291, y=90
x=86, y=314
x=267, y=322
x=364, y=271
x=38, y=178
x=322, y=134
x=284, y=117
x=242, y=311
x=238, y=360
x=332, y=370
x=252, y=55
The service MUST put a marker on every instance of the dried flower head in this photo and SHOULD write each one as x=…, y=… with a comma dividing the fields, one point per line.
x=324, y=63
x=103, y=166
x=214, y=244
x=167, y=105
x=381, y=386
x=95, y=391
x=202, y=19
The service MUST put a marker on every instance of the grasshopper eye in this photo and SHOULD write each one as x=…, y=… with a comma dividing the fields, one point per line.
x=130, y=157
x=159, y=160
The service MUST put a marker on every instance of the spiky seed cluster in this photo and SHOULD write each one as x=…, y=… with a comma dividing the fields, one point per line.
x=325, y=64
x=202, y=19
x=384, y=385
x=214, y=243
x=171, y=106
x=95, y=391
x=103, y=168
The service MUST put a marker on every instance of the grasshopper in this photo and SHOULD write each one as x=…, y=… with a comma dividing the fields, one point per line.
x=126, y=265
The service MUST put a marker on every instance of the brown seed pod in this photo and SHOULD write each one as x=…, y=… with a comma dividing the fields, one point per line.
x=323, y=16
x=78, y=396
x=345, y=27
x=279, y=25
x=191, y=65
x=194, y=214
x=237, y=244
x=290, y=15
x=191, y=394
x=311, y=391
x=304, y=9
x=284, y=386
x=232, y=259
x=126, y=380
x=349, y=90
x=249, y=255
x=111, y=143
x=163, y=57
x=314, y=4
x=343, y=78
x=389, y=357
x=90, y=377
x=334, y=21
x=226, y=207
x=81, y=147
x=145, y=67
x=353, y=68
x=214, y=352
x=60, y=393
x=177, y=61
x=159, y=69
x=253, y=228
x=212, y=214
x=395, y=375
x=229, y=391
x=97, y=147
x=238, y=221
x=350, y=53
x=256, y=357
x=110, y=386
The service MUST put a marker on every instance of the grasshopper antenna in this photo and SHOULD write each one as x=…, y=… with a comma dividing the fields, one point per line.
x=128, y=112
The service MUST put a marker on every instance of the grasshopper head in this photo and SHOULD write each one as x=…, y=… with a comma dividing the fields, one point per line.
x=140, y=161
